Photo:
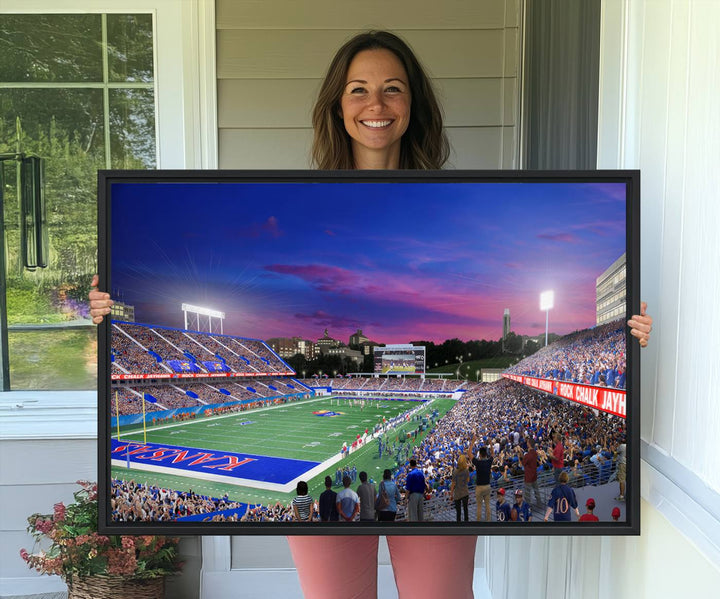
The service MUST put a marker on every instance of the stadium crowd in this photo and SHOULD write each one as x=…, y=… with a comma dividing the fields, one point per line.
x=142, y=349
x=170, y=396
x=435, y=384
x=386, y=384
x=356, y=382
x=593, y=356
x=128, y=401
x=501, y=416
x=136, y=502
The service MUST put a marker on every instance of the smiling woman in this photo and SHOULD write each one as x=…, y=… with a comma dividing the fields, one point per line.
x=349, y=136
x=375, y=108
x=375, y=78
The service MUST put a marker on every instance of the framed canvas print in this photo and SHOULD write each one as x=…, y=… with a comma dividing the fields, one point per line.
x=369, y=352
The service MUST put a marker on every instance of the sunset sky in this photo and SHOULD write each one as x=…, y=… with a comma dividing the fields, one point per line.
x=401, y=261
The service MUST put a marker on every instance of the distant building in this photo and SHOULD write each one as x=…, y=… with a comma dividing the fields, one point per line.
x=367, y=347
x=287, y=347
x=326, y=342
x=506, y=323
x=490, y=375
x=345, y=352
x=610, y=290
x=122, y=311
x=358, y=338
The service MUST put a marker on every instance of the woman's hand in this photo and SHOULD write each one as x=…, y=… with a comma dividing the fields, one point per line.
x=641, y=325
x=100, y=302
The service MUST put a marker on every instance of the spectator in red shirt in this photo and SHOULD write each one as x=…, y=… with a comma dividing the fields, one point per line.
x=589, y=516
x=530, y=465
x=557, y=457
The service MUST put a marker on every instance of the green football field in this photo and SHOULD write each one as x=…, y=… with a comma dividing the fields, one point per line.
x=288, y=430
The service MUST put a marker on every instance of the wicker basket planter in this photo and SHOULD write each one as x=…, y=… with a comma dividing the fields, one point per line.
x=116, y=587
x=96, y=566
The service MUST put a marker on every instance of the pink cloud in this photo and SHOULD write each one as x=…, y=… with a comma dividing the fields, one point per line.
x=320, y=276
x=467, y=299
x=270, y=228
x=564, y=237
x=323, y=319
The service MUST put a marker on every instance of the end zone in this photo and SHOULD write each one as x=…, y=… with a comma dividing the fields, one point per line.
x=241, y=469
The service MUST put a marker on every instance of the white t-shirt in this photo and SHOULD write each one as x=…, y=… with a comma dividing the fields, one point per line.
x=621, y=451
x=348, y=499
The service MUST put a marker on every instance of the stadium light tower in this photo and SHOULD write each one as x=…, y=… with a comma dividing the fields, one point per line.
x=547, y=300
x=196, y=312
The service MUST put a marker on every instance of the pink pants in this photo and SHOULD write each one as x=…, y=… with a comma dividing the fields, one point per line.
x=429, y=567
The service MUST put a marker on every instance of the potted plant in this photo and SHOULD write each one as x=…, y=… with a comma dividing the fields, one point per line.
x=94, y=566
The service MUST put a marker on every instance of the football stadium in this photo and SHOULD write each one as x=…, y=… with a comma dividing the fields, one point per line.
x=213, y=423
x=216, y=427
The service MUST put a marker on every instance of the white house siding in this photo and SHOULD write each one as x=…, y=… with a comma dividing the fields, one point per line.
x=659, y=85
x=271, y=57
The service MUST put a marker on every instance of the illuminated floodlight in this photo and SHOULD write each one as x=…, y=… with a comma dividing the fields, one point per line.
x=203, y=311
x=196, y=312
x=547, y=301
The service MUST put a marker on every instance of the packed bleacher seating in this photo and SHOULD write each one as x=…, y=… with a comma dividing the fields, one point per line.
x=130, y=401
x=135, y=502
x=264, y=359
x=502, y=416
x=355, y=382
x=172, y=395
x=237, y=355
x=169, y=396
x=272, y=513
x=144, y=349
x=213, y=348
x=141, y=349
x=386, y=384
x=115, y=369
x=593, y=356
x=433, y=385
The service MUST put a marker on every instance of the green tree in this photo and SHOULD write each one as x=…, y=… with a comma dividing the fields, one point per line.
x=513, y=343
x=65, y=125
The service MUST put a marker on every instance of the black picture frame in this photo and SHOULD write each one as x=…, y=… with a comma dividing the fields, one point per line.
x=629, y=178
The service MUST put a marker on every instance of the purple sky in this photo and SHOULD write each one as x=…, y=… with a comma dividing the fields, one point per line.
x=401, y=261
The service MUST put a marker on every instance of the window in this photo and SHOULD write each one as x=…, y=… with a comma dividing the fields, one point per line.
x=77, y=90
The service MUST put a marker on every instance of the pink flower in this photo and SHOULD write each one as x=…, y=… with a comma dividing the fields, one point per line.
x=24, y=555
x=59, y=512
x=128, y=543
x=44, y=526
x=53, y=565
x=121, y=562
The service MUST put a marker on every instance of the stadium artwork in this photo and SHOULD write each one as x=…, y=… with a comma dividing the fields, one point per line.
x=272, y=328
